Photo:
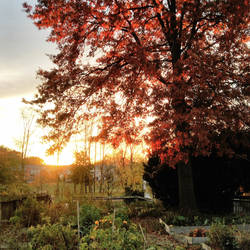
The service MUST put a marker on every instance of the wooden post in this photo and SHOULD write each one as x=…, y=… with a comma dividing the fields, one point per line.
x=113, y=222
x=78, y=218
x=144, y=238
x=0, y=211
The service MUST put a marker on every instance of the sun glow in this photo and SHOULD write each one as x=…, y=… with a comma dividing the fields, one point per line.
x=11, y=130
x=65, y=158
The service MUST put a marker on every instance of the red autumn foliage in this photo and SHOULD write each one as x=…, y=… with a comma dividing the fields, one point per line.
x=182, y=63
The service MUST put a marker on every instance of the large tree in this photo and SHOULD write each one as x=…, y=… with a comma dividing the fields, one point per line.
x=181, y=62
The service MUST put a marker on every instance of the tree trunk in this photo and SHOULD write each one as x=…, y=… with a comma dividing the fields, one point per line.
x=86, y=185
x=95, y=169
x=101, y=180
x=81, y=187
x=185, y=176
x=187, y=199
x=57, y=186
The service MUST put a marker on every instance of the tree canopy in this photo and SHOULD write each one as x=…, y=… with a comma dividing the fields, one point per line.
x=183, y=63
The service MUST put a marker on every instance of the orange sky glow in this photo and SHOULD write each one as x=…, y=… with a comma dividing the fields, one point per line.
x=23, y=51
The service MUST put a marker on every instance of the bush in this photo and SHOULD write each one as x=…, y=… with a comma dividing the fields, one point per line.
x=14, y=190
x=63, y=211
x=222, y=237
x=144, y=209
x=15, y=220
x=177, y=219
x=122, y=213
x=163, y=181
x=122, y=236
x=56, y=237
x=180, y=218
x=13, y=237
x=29, y=213
x=88, y=215
x=244, y=241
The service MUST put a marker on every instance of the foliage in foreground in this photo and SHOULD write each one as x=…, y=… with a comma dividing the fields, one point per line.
x=56, y=237
x=178, y=217
x=244, y=241
x=64, y=212
x=197, y=219
x=222, y=237
x=113, y=231
x=108, y=234
x=29, y=213
x=88, y=215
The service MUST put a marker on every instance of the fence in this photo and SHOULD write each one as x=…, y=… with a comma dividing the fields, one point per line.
x=241, y=205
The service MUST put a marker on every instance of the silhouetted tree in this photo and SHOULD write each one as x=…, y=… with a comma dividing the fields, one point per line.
x=183, y=63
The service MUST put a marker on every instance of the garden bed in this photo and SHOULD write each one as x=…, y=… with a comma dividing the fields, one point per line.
x=184, y=234
x=190, y=240
x=171, y=229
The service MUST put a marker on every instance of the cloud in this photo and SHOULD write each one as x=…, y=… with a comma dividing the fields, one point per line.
x=23, y=50
x=19, y=87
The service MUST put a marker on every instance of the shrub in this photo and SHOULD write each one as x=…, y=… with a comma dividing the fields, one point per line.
x=29, y=213
x=122, y=236
x=13, y=237
x=14, y=190
x=62, y=211
x=15, y=220
x=244, y=241
x=222, y=237
x=173, y=218
x=56, y=237
x=180, y=248
x=122, y=213
x=180, y=218
x=145, y=209
x=88, y=215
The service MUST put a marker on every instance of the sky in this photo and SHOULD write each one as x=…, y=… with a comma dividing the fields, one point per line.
x=23, y=50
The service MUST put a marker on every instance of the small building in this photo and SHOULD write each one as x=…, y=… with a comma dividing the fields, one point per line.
x=31, y=171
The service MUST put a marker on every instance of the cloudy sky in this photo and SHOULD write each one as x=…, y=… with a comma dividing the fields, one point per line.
x=23, y=50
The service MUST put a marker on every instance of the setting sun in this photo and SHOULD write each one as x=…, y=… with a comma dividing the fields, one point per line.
x=65, y=158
